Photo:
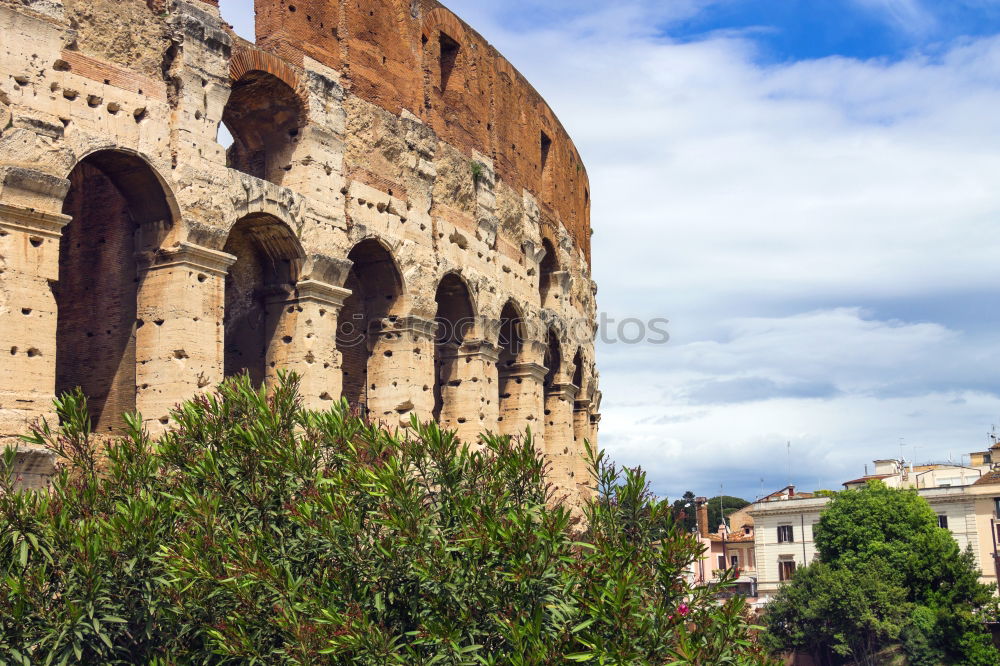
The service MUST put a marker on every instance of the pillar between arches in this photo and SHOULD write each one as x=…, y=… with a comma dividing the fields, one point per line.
x=179, y=329
x=559, y=445
x=29, y=267
x=304, y=339
x=469, y=389
x=401, y=370
x=523, y=401
x=581, y=434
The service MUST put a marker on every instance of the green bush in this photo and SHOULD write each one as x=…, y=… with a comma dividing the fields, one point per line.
x=258, y=532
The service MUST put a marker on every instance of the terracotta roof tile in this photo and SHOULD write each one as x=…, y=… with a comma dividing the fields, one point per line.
x=989, y=478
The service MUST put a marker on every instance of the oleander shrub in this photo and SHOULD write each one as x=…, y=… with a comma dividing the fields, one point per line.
x=256, y=532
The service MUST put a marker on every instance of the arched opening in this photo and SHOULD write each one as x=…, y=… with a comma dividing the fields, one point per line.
x=578, y=369
x=119, y=212
x=454, y=319
x=581, y=407
x=264, y=116
x=553, y=359
x=549, y=266
x=258, y=286
x=376, y=295
x=511, y=384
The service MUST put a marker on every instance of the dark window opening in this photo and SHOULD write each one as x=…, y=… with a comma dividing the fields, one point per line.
x=546, y=147
x=449, y=56
x=786, y=569
x=785, y=534
x=943, y=521
x=549, y=266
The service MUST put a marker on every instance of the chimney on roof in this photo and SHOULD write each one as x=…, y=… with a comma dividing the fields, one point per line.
x=702, y=515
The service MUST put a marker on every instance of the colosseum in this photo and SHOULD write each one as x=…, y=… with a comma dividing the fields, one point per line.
x=400, y=219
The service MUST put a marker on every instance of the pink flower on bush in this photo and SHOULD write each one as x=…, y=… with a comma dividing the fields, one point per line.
x=683, y=610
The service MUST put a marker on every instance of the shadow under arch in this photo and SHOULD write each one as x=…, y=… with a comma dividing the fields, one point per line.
x=377, y=298
x=549, y=266
x=121, y=213
x=512, y=391
x=455, y=319
x=269, y=259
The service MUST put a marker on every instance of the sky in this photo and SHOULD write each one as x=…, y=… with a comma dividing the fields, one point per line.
x=809, y=191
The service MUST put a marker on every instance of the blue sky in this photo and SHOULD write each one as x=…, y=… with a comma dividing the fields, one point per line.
x=810, y=191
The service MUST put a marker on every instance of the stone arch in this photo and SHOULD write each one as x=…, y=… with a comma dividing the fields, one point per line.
x=511, y=387
x=578, y=369
x=549, y=266
x=122, y=213
x=365, y=321
x=455, y=319
x=553, y=359
x=581, y=408
x=269, y=259
x=447, y=58
x=265, y=114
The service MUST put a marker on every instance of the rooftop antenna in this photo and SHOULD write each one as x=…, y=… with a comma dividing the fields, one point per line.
x=789, y=464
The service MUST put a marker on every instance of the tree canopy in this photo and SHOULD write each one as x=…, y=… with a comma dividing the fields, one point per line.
x=257, y=532
x=887, y=575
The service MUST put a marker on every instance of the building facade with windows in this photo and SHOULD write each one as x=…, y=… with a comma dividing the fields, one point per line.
x=966, y=500
x=783, y=536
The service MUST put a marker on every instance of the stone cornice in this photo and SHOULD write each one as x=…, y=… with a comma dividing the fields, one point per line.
x=32, y=221
x=190, y=255
x=528, y=370
x=314, y=291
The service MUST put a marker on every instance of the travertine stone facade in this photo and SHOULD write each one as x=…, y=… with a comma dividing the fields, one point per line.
x=400, y=219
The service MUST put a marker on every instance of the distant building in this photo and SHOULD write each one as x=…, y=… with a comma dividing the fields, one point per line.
x=966, y=500
x=729, y=548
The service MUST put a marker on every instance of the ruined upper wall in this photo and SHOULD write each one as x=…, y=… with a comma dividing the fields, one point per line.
x=416, y=56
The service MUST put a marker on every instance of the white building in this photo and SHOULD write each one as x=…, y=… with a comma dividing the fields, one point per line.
x=785, y=520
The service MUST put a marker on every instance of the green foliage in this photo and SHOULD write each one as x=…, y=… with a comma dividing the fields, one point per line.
x=478, y=170
x=888, y=575
x=687, y=516
x=258, y=533
x=834, y=611
x=723, y=505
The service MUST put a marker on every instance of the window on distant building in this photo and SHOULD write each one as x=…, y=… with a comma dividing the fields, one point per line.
x=746, y=531
x=722, y=561
x=996, y=505
x=734, y=561
x=786, y=569
x=785, y=534
x=943, y=521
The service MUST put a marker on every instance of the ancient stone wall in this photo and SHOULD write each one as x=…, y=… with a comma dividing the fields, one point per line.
x=400, y=219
